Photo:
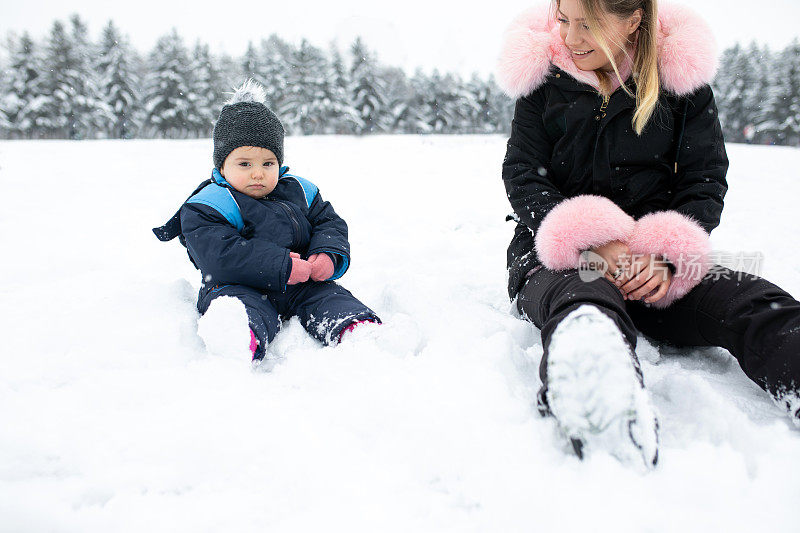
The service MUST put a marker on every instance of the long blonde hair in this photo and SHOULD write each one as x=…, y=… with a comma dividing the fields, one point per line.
x=645, y=61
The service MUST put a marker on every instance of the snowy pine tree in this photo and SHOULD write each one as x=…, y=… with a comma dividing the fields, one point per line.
x=398, y=98
x=761, y=58
x=346, y=120
x=23, y=100
x=58, y=87
x=166, y=102
x=205, y=100
x=229, y=75
x=480, y=113
x=367, y=92
x=446, y=104
x=781, y=122
x=251, y=65
x=738, y=82
x=91, y=114
x=307, y=103
x=274, y=74
x=117, y=84
x=502, y=108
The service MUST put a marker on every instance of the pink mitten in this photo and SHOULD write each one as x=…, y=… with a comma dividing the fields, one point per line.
x=301, y=270
x=321, y=267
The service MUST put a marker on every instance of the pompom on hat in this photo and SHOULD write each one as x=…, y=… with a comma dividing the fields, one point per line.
x=245, y=120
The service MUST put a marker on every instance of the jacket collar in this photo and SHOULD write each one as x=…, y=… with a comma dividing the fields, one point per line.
x=687, y=52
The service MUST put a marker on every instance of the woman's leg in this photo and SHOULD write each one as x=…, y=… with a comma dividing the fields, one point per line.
x=591, y=379
x=755, y=320
x=548, y=297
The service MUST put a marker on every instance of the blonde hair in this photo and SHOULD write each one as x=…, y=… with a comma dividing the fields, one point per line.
x=645, y=61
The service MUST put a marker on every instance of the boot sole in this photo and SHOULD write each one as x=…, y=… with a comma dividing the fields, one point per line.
x=595, y=390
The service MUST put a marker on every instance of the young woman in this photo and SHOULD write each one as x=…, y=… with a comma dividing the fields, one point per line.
x=616, y=150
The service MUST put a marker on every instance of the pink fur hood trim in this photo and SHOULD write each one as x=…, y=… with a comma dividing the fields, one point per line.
x=578, y=224
x=687, y=52
x=681, y=241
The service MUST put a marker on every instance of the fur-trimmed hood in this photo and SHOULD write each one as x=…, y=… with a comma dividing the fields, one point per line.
x=687, y=52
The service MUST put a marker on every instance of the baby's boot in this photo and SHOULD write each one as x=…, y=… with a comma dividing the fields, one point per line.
x=225, y=330
x=347, y=331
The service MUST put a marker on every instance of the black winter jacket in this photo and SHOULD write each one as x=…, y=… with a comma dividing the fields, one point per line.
x=566, y=143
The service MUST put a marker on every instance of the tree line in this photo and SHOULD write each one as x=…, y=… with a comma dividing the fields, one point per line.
x=69, y=87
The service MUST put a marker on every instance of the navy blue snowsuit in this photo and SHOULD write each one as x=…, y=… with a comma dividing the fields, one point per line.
x=241, y=246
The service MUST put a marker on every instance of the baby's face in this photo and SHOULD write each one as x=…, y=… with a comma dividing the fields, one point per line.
x=251, y=170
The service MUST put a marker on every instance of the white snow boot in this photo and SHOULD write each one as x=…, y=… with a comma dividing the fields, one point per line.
x=225, y=329
x=595, y=390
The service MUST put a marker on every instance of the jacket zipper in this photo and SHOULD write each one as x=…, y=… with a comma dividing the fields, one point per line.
x=604, y=106
x=295, y=224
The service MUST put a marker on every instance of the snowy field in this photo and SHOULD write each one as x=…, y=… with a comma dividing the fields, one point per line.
x=114, y=418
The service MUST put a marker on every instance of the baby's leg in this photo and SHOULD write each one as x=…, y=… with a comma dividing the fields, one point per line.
x=261, y=314
x=326, y=309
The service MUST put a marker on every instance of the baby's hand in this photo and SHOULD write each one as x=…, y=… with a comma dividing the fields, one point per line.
x=301, y=270
x=321, y=267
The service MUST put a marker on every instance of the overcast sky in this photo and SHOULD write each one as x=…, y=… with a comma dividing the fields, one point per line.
x=445, y=34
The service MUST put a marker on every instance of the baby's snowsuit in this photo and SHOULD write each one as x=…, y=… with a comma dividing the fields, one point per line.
x=241, y=246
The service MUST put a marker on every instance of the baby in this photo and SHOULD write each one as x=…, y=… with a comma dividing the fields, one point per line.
x=264, y=236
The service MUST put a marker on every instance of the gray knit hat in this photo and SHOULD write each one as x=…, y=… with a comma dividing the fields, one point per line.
x=246, y=121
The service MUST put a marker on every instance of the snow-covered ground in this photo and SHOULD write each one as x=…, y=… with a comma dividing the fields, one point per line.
x=114, y=418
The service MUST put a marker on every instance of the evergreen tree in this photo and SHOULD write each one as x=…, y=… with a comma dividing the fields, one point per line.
x=480, y=113
x=229, y=75
x=90, y=112
x=23, y=102
x=447, y=106
x=276, y=56
x=346, y=120
x=409, y=114
x=72, y=108
x=502, y=108
x=117, y=84
x=739, y=101
x=463, y=104
x=251, y=65
x=58, y=89
x=402, y=106
x=306, y=104
x=366, y=90
x=205, y=99
x=782, y=117
x=762, y=61
x=166, y=103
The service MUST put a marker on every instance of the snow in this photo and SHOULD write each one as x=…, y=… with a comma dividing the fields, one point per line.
x=114, y=418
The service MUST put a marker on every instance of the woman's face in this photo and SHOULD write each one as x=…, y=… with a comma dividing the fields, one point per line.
x=586, y=52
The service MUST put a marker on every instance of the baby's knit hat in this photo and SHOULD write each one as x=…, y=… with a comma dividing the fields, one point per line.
x=246, y=121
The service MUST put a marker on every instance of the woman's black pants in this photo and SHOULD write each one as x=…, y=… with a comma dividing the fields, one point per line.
x=755, y=320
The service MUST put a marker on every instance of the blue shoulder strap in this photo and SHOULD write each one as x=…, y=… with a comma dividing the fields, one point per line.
x=218, y=197
x=309, y=189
